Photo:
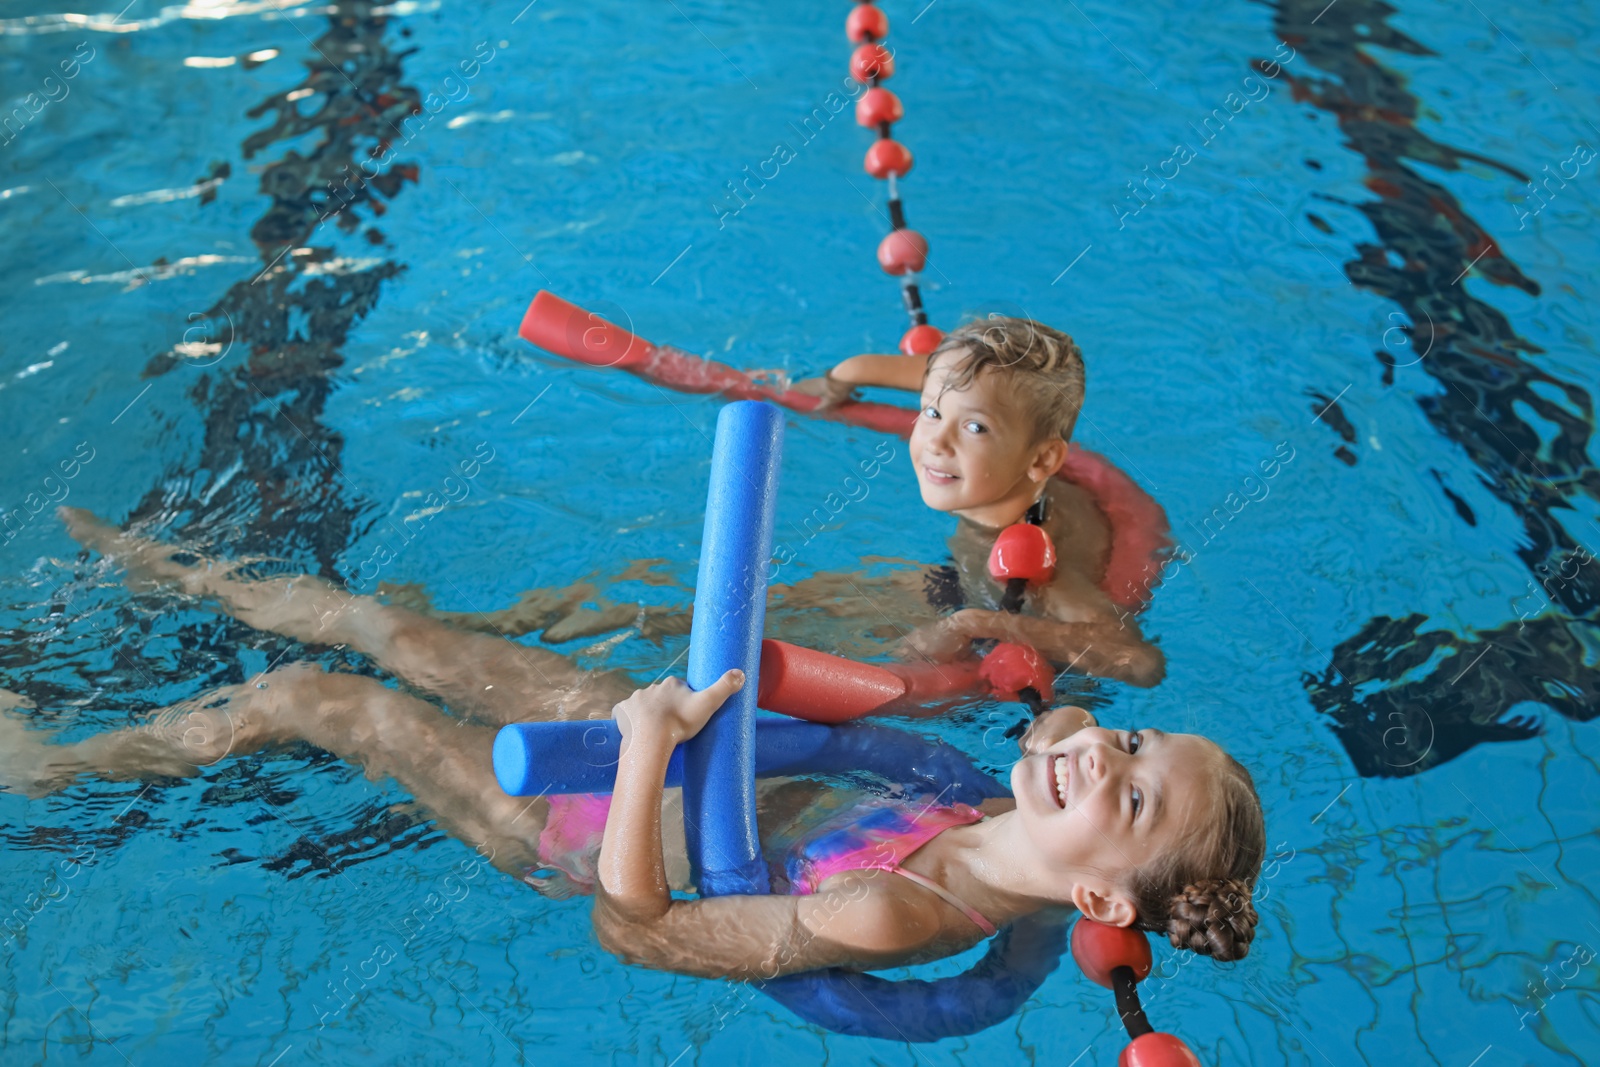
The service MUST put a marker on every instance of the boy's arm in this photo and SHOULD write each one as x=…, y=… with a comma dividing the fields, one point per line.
x=893, y=372
x=841, y=382
x=1071, y=622
x=1105, y=648
x=1074, y=622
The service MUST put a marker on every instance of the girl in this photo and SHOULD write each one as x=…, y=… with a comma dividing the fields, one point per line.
x=1162, y=831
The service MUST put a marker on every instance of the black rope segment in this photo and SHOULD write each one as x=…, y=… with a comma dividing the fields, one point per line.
x=1133, y=1017
x=913, y=299
x=1016, y=589
x=897, y=214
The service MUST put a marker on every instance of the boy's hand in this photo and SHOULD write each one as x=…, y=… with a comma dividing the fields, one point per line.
x=827, y=389
x=941, y=641
x=1057, y=724
x=669, y=712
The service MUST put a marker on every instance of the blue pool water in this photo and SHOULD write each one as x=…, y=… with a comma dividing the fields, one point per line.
x=1342, y=262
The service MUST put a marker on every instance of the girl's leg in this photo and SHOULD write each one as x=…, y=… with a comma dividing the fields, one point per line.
x=567, y=613
x=444, y=764
x=484, y=675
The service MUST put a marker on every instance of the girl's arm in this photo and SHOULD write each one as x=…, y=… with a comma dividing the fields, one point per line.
x=860, y=923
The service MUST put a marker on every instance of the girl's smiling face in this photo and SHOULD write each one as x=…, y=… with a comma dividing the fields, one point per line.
x=973, y=448
x=1099, y=803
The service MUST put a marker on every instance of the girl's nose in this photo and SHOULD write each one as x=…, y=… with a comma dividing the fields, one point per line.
x=1101, y=759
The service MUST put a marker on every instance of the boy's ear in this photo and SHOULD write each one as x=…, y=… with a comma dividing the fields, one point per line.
x=1047, y=459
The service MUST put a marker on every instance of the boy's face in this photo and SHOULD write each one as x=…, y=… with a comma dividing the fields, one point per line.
x=973, y=449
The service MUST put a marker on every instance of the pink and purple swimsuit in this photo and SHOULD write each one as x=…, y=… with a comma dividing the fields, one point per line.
x=876, y=834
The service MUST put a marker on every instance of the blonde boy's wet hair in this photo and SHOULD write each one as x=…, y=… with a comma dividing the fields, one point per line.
x=1042, y=364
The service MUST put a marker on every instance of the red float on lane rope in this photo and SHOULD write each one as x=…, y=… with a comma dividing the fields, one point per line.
x=903, y=252
x=887, y=157
x=1011, y=668
x=869, y=61
x=867, y=23
x=1100, y=949
x=1023, y=551
x=878, y=105
x=1157, y=1049
x=921, y=340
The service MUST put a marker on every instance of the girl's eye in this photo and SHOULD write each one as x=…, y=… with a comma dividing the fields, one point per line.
x=976, y=427
x=930, y=412
x=1138, y=801
x=1135, y=742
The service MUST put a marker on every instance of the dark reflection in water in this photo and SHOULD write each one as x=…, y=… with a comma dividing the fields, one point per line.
x=1401, y=702
x=270, y=480
x=286, y=322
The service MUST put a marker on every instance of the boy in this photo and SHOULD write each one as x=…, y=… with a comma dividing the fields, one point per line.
x=999, y=399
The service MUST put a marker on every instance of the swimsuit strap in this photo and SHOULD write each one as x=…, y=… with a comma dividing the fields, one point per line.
x=950, y=898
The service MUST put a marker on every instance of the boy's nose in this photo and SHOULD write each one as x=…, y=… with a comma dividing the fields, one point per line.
x=941, y=440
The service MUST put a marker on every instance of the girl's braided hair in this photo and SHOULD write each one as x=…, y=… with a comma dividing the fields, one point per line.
x=1199, y=894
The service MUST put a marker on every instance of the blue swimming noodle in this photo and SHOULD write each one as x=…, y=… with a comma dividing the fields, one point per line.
x=552, y=758
x=730, y=613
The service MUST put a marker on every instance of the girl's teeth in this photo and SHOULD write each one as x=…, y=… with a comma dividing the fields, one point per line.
x=1061, y=781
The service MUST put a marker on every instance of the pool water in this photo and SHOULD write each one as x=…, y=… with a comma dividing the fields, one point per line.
x=1355, y=238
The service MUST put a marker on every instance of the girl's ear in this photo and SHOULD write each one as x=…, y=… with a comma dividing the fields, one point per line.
x=1103, y=903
